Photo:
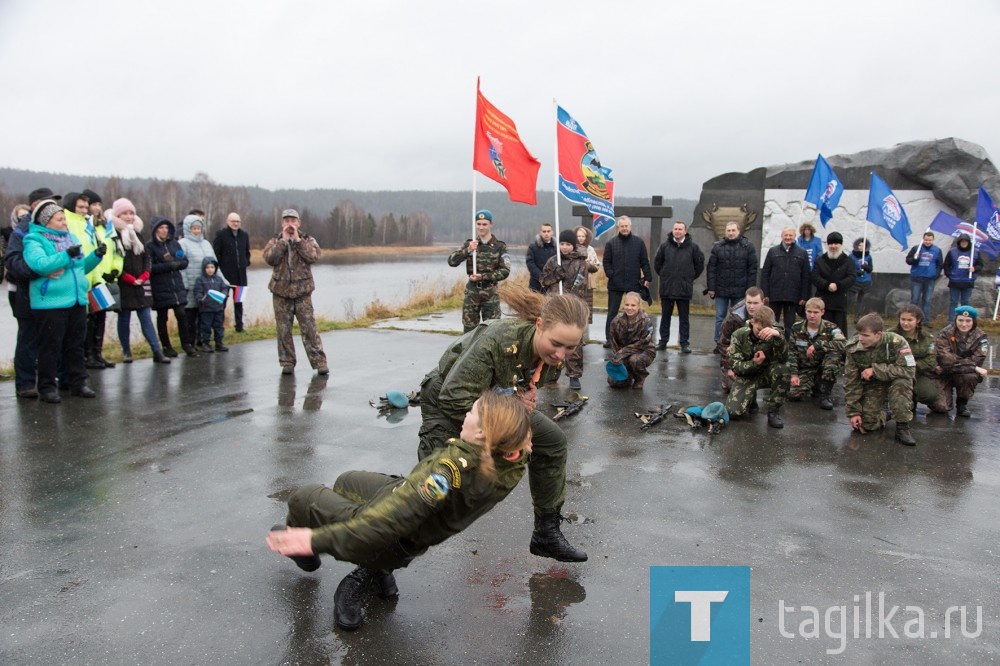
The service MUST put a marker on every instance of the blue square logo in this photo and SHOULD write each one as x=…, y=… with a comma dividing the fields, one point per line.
x=699, y=615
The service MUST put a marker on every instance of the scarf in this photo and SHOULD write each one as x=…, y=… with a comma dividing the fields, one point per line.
x=127, y=235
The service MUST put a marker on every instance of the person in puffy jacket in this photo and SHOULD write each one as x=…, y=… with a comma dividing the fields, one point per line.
x=961, y=266
x=196, y=248
x=679, y=262
x=732, y=269
x=167, y=264
x=59, y=299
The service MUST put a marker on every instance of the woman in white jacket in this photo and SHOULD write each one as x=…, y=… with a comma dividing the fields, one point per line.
x=196, y=247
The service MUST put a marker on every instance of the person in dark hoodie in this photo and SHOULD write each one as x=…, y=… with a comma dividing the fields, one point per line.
x=833, y=276
x=961, y=266
x=539, y=252
x=207, y=288
x=862, y=256
x=166, y=280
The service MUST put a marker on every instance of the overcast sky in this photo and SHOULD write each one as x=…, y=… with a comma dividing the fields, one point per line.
x=381, y=95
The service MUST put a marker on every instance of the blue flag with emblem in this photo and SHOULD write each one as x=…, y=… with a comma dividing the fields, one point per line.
x=988, y=220
x=825, y=189
x=884, y=210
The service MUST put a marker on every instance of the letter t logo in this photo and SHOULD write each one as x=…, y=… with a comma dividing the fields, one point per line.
x=701, y=610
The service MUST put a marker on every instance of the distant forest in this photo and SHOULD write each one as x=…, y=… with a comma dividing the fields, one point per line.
x=336, y=218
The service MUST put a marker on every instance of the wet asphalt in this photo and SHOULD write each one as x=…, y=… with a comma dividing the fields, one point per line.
x=134, y=523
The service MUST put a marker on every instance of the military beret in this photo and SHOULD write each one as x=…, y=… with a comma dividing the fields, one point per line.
x=616, y=371
x=484, y=215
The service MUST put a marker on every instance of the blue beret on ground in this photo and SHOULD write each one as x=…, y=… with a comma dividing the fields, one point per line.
x=715, y=411
x=616, y=371
x=397, y=399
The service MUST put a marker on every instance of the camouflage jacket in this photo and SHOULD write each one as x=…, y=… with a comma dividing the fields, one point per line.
x=745, y=344
x=496, y=354
x=631, y=335
x=492, y=261
x=292, y=263
x=959, y=352
x=890, y=358
x=828, y=340
x=734, y=320
x=445, y=493
x=572, y=272
x=923, y=349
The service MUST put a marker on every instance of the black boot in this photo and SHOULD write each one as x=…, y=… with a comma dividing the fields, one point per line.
x=962, y=408
x=100, y=320
x=548, y=541
x=170, y=352
x=93, y=363
x=825, y=401
x=385, y=584
x=774, y=419
x=350, y=595
x=903, y=434
x=158, y=357
x=753, y=407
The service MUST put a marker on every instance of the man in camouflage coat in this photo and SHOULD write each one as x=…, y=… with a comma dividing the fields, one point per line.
x=759, y=358
x=879, y=367
x=492, y=264
x=816, y=357
x=291, y=256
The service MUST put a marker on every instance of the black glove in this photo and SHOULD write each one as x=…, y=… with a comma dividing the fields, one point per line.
x=101, y=250
x=73, y=251
x=110, y=277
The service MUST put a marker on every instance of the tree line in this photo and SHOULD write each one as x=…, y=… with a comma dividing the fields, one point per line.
x=335, y=217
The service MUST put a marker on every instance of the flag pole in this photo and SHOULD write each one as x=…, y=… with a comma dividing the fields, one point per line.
x=473, y=216
x=972, y=249
x=555, y=187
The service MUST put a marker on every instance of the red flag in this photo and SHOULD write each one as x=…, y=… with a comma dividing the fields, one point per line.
x=500, y=155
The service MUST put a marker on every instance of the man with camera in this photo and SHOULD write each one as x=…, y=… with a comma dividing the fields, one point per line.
x=291, y=256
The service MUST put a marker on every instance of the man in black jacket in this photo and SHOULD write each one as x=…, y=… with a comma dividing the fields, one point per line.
x=732, y=269
x=232, y=249
x=626, y=263
x=679, y=261
x=785, y=279
x=833, y=274
x=539, y=251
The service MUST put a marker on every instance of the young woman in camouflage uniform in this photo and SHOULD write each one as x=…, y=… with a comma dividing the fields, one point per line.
x=513, y=355
x=383, y=522
x=631, y=337
x=961, y=351
x=925, y=388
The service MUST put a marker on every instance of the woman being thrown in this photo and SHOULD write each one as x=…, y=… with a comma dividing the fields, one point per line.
x=383, y=522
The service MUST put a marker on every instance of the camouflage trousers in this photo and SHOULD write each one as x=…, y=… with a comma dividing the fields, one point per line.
x=927, y=392
x=549, y=447
x=962, y=384
x=574, y=362
x=479, y=301
x=810, y=377
x=286, y=310
x=744, y=390
x=315, y=505
x=898, y=393
x=637, y=366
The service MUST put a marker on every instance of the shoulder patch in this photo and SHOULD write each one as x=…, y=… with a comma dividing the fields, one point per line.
x=434, y=489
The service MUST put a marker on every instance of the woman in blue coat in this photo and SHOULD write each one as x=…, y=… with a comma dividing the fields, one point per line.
x=59, y=299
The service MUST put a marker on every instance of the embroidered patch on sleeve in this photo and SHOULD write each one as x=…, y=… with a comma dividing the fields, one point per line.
x=434, y=489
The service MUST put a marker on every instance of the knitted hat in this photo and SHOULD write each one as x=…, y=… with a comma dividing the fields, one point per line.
x=93, y=196
x=42, y=193
x=120, y=206
x=968, y=311
x=44, y=212
x=567, y=236
x=835, y=237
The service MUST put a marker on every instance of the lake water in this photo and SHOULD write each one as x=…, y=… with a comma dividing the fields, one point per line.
x=342, y=289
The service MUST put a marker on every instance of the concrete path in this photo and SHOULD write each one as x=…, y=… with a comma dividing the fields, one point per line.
x=134, y=523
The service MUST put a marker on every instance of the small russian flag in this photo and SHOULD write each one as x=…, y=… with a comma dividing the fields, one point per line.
x=100, y=298
x=216, y=296
x=239, y=293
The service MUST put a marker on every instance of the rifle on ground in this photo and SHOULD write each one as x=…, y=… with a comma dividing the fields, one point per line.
x=652, y=417
x=570, y=407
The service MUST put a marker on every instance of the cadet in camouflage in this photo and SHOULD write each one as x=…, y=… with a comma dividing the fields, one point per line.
x=816, y=357
x=879, y=367
x=961, y=351
x=759, y=357
x=925, y=388
x=492, y=264
x=383, y=522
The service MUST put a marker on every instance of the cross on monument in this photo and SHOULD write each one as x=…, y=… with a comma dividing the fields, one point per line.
x=656, y=214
